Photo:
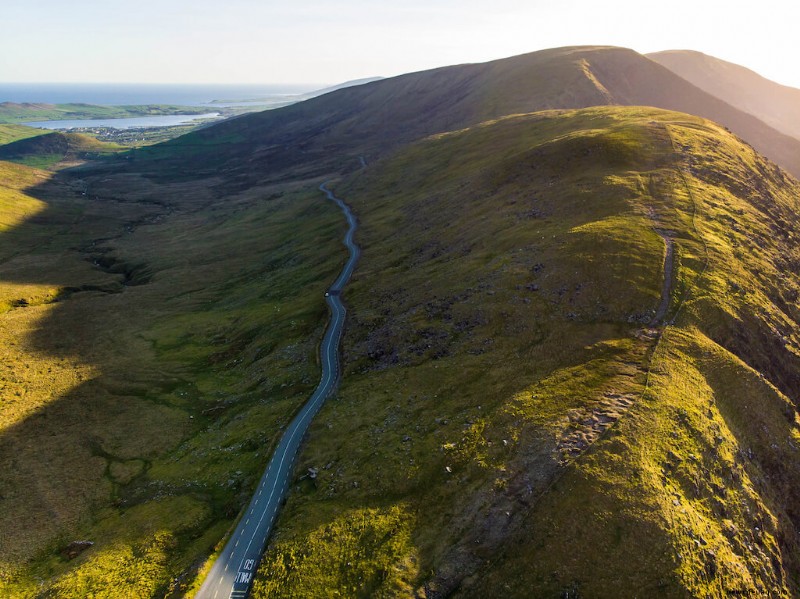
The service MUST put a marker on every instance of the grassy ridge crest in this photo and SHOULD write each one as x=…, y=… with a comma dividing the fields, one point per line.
x=504, y=389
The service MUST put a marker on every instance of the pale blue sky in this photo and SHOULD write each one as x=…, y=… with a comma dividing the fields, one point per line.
x=328, y=41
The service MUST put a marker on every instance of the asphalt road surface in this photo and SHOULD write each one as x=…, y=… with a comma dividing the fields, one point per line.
x=232, y=573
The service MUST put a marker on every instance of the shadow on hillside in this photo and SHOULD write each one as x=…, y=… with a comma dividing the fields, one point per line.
x=93, y=434
x=88, y=404
x=83, y=416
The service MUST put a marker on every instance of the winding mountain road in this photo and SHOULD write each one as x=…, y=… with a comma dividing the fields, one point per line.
x=232, y=573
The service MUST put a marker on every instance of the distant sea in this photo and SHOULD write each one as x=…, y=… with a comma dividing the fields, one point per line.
x=146, y=93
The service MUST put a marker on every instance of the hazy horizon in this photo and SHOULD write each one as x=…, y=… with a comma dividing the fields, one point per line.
x=304, y=86
x=176, y=42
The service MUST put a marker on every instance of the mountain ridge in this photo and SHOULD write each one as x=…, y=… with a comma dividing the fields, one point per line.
x=776, y=104
x=500, y=321
x=376, y=117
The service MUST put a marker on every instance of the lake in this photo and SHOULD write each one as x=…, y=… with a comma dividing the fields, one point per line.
x=128, y=123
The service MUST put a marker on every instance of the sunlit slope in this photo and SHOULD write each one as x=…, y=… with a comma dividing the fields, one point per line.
x=511, y=419
x=15, y=204
x=334, y=129
x=701, y=479
x=50, y=149
x=775, y=104
x=9, y=133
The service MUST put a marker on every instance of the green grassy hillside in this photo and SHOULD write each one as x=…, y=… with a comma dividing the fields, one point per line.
x=154, y=339
x=51, y=149
x=511, y=418
x=9, y=133
x=333, y=130
x=11, y=112
x=775, y=104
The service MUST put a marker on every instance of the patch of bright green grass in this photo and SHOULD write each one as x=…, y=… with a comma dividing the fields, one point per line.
x=370, y=548
x=49, y=150
x=9, y=133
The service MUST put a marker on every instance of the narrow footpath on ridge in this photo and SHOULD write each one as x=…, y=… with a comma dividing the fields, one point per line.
x=233, y=571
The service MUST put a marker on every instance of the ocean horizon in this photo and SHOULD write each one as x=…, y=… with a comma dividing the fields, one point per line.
x=117, y=94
